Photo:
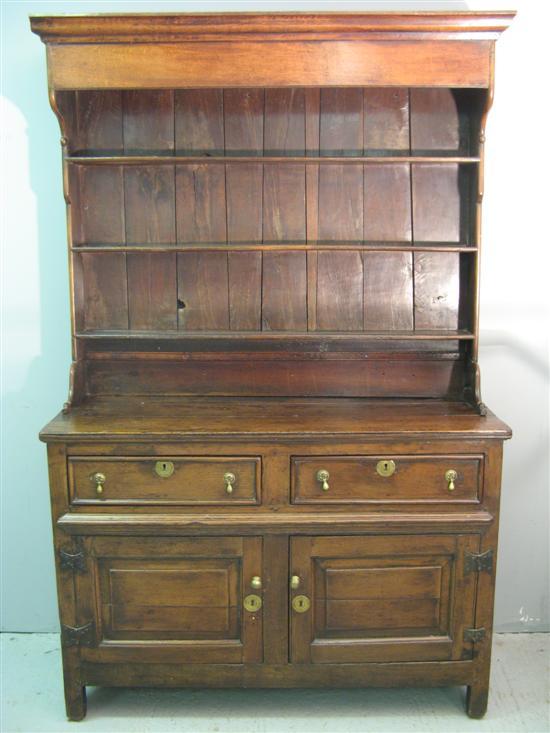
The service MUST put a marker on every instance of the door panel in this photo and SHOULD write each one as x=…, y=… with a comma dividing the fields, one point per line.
x=384, y=598
x=174, y=599
x=164, y=596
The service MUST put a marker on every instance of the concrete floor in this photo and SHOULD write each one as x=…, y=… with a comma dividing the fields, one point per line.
x=32, y=700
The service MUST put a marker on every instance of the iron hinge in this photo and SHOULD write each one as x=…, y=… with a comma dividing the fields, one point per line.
x=72, y=561
x=474, y=635
x=477, y=563
x=78, y=635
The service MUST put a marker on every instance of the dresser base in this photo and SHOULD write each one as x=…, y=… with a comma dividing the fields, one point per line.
x=421, y=674
x=376, y=581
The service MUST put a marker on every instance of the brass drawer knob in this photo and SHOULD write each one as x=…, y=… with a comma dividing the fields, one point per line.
x=323, y=477
x=229, y=479
x=386, y=467
x=295, y=582
x=98, y=479
x=450, y=477
x=256, y=582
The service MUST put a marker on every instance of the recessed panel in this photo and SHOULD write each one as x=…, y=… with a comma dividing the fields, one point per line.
x=172, y=599
x=381, y=598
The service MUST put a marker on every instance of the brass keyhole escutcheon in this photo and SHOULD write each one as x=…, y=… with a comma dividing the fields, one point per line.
x=450, y=477
x=98, y=479
x=301, y=604
x=385, y=467
x=164, y=469
x=252, y=602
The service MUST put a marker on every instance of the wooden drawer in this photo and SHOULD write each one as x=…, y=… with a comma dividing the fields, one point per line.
x=415, y=479
x=165, y=480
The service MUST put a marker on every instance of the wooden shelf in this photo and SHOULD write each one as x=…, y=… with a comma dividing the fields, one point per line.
x=170, y=159
x=277, y=246
x=434, y=335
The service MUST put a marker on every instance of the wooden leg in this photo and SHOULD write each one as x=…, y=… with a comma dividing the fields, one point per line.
x=75, y=692
x=75, y=701
x=476, y=699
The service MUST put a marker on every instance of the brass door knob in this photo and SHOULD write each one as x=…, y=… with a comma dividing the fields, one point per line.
x=323, y=477
x=451, y=476
x=229, y=479
x=98, y=479
x=256, y=582
x=295, y=582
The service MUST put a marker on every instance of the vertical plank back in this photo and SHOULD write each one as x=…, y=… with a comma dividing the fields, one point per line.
x=149, y=203
x=244, y=132
x=98, y=210
x=386, y=129
x=271, y=203
x=199, y=122
x=438, y=207
x=339, y=291
x=202, y=291
x=435, y=122
x=284, y=291
x=339, y=296
x=388, y=276
x=312, y=104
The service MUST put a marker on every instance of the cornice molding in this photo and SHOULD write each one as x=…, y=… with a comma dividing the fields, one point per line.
x=197, y=27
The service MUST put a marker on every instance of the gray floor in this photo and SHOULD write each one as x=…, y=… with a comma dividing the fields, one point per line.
x=32, y=700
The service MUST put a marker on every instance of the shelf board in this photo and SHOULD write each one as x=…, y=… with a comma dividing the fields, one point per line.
x=260, y=159
x=461, y=334
x=278, y=246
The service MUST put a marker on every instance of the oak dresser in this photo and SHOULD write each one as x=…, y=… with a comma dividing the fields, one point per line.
x=274, y=468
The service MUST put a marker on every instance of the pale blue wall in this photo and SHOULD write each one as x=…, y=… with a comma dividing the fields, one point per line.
x=35, y=314
x=35, y=300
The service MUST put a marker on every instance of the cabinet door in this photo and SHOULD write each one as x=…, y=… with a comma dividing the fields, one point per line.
x=381, y=598
x=179, y=600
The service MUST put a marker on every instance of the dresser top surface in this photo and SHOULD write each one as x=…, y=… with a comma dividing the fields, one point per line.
x=165, y=418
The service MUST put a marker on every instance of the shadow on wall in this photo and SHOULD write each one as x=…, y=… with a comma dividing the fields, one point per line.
x=507, y=341
x=36, y=346
x=517, y=373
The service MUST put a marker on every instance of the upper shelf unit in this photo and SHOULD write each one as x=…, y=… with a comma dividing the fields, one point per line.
x=313, y=167
x=274, y=211
x=246, y=185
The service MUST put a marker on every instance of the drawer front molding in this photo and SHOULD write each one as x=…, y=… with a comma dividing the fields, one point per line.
x=389, y=479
